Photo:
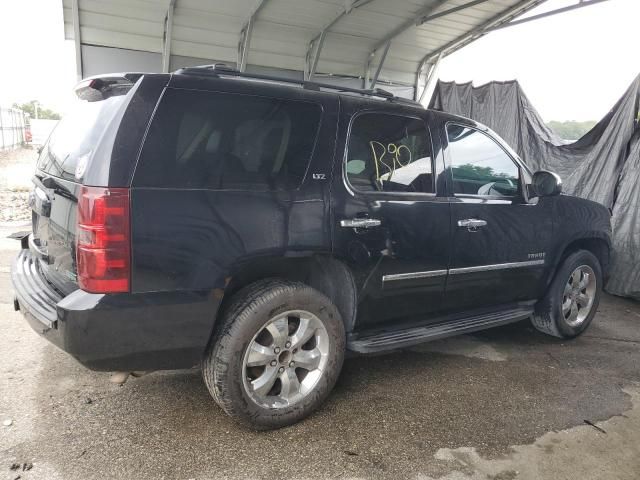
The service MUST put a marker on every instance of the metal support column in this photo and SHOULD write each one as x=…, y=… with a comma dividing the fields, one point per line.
x=380, y=63
x=318, y=44
x=431, y=80
x=244, y=45
x=166, y=41
x=75, y=15
x=245, y=35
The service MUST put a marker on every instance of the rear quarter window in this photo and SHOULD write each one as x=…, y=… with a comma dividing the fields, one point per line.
x=225, y=141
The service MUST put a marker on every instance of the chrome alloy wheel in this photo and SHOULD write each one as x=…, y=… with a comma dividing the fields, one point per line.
x=578, y=296
x=285, y=359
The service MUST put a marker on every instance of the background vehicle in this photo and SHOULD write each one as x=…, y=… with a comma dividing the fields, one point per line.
x=208, y=216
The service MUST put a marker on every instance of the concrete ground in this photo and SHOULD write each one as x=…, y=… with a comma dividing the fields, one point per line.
x=508, y=403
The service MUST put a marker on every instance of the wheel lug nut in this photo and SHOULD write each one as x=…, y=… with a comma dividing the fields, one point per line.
x=281, y=369
x=287, y=345
x=292, y=364
x=273, y=363
x=277, y=350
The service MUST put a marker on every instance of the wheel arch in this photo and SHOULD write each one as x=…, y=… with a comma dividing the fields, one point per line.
x=597, y=244
x=322, y=272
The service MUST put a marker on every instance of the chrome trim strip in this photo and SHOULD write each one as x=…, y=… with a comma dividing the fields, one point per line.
x=498, y=266
x=457, y=271
x=413, y=275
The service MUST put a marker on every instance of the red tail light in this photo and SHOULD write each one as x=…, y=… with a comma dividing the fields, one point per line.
x=102, y=240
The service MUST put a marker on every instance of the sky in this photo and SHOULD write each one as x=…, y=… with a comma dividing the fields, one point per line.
x=573, y=66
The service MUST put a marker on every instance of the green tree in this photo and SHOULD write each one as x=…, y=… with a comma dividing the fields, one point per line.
x=30, y=108
x=571, y=130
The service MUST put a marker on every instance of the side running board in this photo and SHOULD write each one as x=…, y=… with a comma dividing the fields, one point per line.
x=413, y=336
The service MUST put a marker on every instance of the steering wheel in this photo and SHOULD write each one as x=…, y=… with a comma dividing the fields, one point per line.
x=489, y=188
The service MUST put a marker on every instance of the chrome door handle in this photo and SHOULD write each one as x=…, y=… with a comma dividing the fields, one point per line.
x=472, y=224
x=360, y=223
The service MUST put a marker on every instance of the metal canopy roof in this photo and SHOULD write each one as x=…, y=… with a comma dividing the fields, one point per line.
x=338, y=37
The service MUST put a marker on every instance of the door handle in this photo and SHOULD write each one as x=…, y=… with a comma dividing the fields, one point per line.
x=472, y=224
x=360, y=223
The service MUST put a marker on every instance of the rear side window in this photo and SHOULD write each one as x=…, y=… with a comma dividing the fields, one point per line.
x=389, y=153
x=228, y=142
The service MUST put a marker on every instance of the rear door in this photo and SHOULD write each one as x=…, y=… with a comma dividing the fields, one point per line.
x=499, y=238
x=391, y=223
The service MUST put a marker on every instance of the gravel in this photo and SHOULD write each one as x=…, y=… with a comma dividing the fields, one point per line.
x=16, y=169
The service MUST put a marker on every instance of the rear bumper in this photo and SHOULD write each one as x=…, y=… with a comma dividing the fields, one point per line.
x=129, y=331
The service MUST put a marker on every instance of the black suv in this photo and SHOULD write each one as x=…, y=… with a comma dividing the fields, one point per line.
x=261, y=227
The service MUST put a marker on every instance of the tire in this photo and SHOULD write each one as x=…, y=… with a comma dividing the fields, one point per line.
x=244, y=338
x=550, y=317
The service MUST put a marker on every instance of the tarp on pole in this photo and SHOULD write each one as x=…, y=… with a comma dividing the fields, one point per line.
x=603, y=165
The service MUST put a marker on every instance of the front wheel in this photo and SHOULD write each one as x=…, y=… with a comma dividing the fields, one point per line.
x=573, y=297
x=277, y=354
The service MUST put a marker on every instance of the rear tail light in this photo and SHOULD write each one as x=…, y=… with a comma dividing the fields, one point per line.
x=102, y=240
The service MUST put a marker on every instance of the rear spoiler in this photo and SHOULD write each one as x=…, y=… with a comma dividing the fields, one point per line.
x=101, y=87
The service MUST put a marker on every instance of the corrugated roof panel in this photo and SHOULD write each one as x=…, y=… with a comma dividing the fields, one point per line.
x=236, y=8
x=204, y=37
x=201, y=50
x=120, y=25
x=283, y=29
x=309, y=14
x=208, y=21
x=95, y=36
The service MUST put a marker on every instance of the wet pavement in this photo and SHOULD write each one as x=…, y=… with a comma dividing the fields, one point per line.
x=502, y=404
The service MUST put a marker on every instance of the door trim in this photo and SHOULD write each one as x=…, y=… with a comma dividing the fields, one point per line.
x=497, y=266
x=458, y=271
x=413, y=275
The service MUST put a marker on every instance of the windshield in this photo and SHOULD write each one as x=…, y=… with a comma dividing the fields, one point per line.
x=76, y=137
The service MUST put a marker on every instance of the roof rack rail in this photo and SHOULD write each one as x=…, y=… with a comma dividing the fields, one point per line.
x=223, y=69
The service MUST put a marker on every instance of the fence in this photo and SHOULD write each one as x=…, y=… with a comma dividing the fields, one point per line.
x=12, y=128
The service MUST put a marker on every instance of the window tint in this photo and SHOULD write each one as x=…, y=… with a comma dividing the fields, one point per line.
x=389, y=153
x=480, y=166
x=76, y=136
x=228, y=141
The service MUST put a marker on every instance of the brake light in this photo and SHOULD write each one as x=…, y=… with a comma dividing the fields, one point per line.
x=102, y=240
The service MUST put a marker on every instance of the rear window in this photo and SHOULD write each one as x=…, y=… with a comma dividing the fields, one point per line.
x=76, y=137
x=228, y=142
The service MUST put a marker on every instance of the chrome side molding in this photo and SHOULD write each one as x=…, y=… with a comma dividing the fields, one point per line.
x=497, y=266
x=360, y=223
x=412, y=275
x=458, y=271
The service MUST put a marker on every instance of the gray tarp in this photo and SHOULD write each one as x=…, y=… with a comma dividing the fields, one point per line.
x=603, y=165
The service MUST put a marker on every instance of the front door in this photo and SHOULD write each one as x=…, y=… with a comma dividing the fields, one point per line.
x=391, y=224
x=499, y=238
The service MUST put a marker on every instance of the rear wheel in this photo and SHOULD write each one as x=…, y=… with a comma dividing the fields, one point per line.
x=277, y=354
x=573, y=297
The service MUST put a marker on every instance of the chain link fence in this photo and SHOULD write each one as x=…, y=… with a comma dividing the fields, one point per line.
x=13, y=128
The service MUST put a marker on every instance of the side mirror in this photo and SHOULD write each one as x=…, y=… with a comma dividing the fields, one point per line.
x=546, y=184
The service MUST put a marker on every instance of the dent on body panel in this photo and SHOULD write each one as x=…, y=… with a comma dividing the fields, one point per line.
x=189, y=239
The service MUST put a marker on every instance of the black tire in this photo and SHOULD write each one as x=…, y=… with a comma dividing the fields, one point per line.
x=249, y=311
x=548, y=317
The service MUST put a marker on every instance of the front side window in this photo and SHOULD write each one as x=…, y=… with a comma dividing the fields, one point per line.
x=389, y=153
x=479, y=165
x=228, y=142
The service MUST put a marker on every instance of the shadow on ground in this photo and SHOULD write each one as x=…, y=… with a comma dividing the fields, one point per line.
x=387, y=416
